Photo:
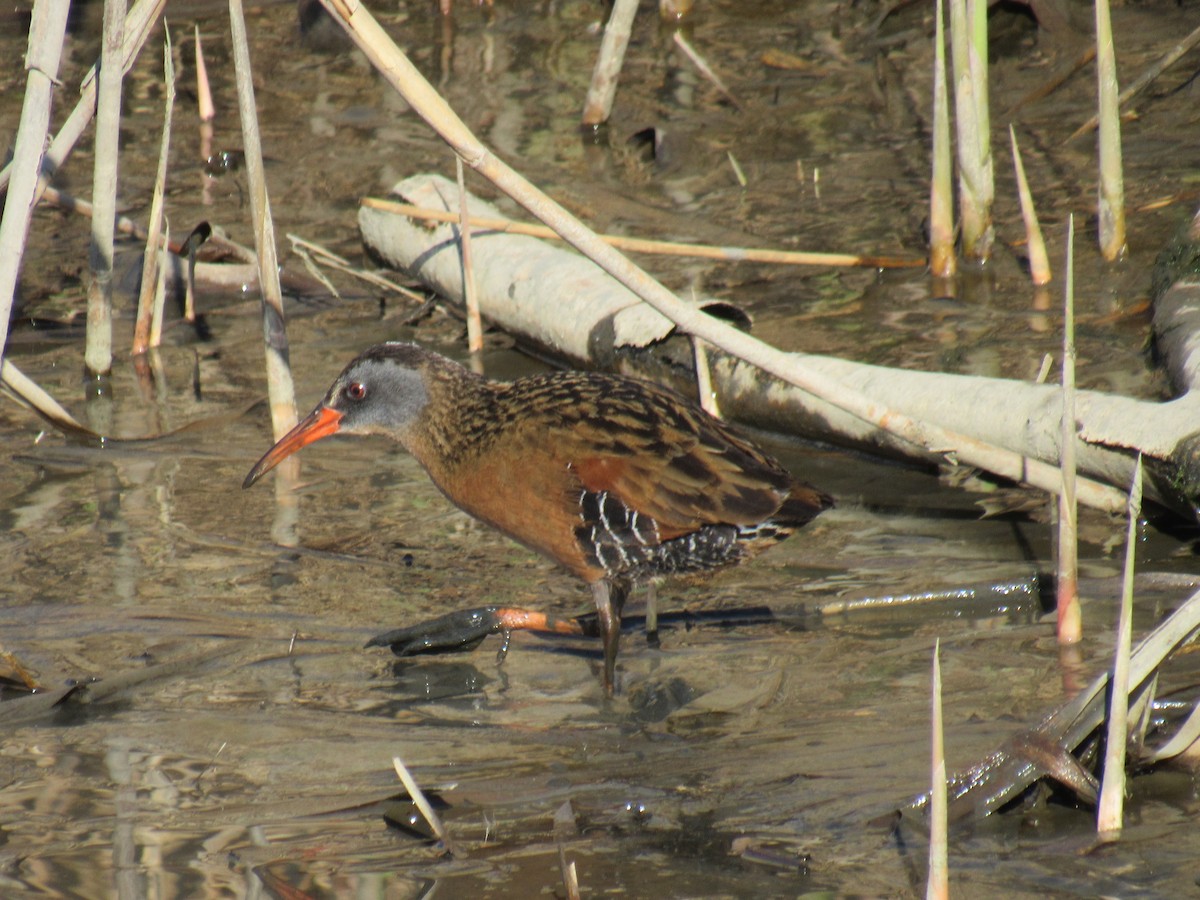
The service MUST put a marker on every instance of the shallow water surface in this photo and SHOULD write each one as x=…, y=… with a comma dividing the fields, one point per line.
x=229, y=736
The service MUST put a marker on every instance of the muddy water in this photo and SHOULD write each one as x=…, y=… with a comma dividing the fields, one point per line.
x=238, y=740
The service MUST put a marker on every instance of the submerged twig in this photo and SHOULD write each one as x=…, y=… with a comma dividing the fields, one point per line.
x=663, y=248
x=422, y=803
x=698, y=61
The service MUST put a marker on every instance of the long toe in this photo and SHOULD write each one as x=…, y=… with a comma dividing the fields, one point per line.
x=453, y=632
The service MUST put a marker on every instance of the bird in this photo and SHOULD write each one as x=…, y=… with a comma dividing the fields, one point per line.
x=618, y=480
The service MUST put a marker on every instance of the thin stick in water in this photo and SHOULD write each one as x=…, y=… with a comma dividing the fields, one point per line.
x=470, y=292
x=1110, y=811
x=663, y=248
x=422, y=803
x=938, y=886
x=143, y=340
x=698, y=61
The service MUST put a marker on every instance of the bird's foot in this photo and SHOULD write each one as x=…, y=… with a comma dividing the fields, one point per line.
x=465, y=630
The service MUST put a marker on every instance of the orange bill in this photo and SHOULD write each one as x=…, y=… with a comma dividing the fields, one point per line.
x=319, y=423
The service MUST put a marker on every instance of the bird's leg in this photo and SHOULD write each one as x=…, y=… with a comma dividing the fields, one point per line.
x=652, y=614
x=609, y=598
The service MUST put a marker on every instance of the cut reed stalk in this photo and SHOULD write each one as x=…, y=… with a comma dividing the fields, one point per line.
x=942, y=261
x=1039, y=261
x=605, y=76
x=1070, y=615
x=97, y=355
x=1110, y=810
x=1112, y=179
x=971, y=118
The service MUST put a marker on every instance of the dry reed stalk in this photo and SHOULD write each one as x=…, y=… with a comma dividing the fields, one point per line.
x=47, y=28
x=942, y=261
x=662, y=248
x=97, y=355
x=1070, y=614
x=424, y=806
x=1039, y=262
x=938, y=885
x=1110, y=810
x=470, y=292
x=603, y=89
x=280, y=388
x=1112, y=179
x=399, y=71
x=970, y=106
x=143, y=328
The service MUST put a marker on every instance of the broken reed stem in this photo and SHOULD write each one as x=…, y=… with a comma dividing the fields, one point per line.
x=971, y=118
x=942, y=261
x=1143, y=81
x=1112, y=179
x=143, y=328
x=47, y=28
x=1039, y=261
x=470, y=293
x=1070, y=615
x=698, y=61
x=1110, y=811
x=605, y=76
x=422, y=803
x=938, y=886
x=399, y=71
x=280, y=388
x=97, y=355
x=662, y=248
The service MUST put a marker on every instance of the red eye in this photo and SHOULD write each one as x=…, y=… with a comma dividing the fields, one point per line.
x=356, y=390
